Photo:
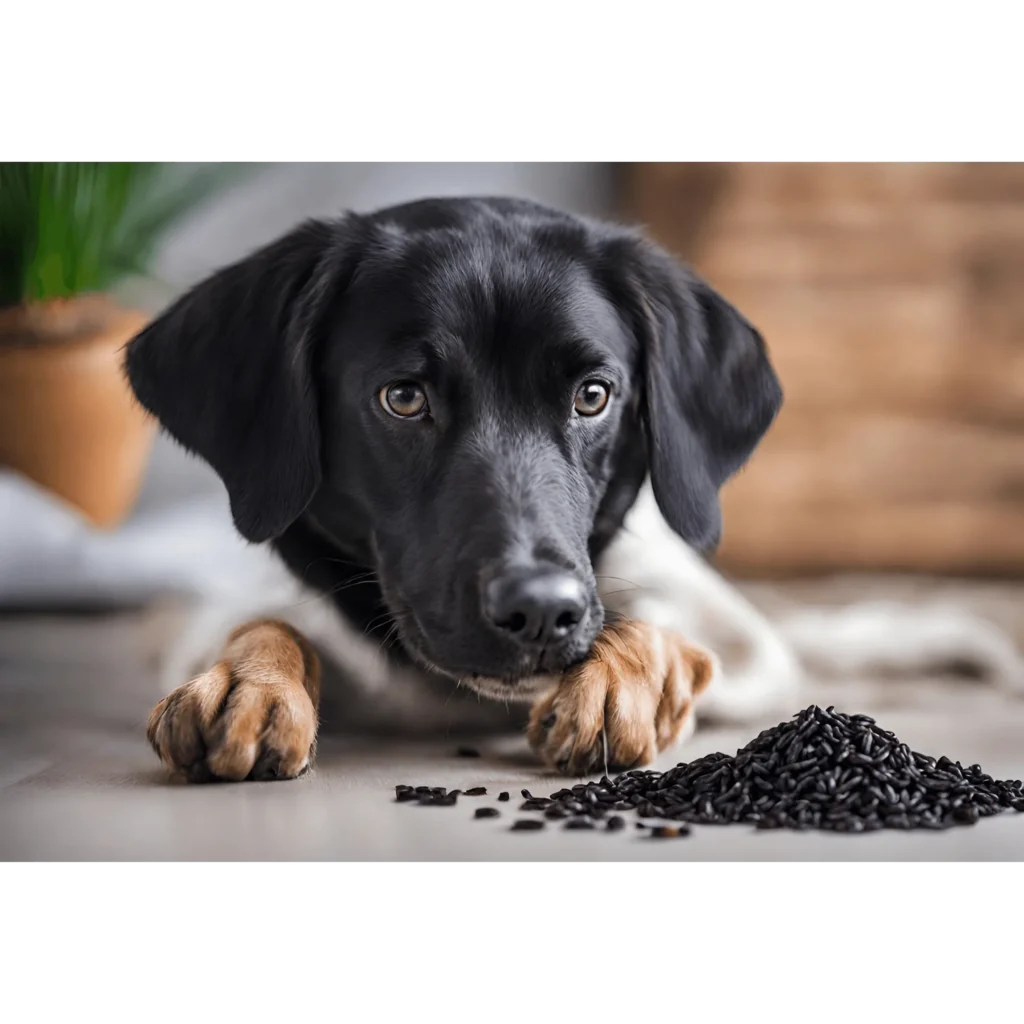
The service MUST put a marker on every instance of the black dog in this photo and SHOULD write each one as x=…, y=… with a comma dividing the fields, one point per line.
x=461, y=397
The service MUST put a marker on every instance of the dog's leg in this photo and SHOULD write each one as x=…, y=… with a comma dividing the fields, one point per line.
x=631, y=699
x=649, y=573
x=252, y=716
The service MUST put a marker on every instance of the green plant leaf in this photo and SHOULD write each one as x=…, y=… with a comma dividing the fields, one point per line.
x=71, y=228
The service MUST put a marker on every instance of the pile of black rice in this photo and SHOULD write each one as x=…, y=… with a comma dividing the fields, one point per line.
x=821, y=770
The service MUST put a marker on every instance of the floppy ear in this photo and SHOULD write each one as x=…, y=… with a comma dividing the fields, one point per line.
x=228, y=372
x=710, y=392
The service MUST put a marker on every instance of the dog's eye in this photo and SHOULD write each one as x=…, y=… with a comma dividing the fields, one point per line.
x=406, y=399
x=592, y=397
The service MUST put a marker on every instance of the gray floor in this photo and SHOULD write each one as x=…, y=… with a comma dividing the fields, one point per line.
x=78, y=782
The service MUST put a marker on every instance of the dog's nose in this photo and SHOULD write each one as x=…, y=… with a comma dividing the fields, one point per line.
x=535, y=608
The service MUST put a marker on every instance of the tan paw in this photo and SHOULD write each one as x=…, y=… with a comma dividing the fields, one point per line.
x=251, y=716
x=627, y=702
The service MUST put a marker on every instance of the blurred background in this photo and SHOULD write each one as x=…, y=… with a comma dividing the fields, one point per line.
x=889, y=296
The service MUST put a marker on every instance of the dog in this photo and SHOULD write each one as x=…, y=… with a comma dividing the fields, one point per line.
x=442, y=416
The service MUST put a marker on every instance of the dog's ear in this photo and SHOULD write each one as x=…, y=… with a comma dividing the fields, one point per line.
x=228, y=372
x=710, y=392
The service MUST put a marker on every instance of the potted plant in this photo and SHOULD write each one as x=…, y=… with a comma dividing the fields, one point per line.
x=70, y=233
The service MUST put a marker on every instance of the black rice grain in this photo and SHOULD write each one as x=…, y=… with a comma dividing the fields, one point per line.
x=527, y=825
x=486, y=812
x=669, y=832
x=437, y=799
x=477, y=791
x=578, y=823
x=503, y=797
x=820, y=770
x=534, y=804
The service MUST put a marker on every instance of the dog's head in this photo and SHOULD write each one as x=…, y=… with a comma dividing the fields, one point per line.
x=463, y=396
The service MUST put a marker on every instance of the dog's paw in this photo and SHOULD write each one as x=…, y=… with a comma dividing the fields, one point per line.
x=625, y=703
x=248, y=717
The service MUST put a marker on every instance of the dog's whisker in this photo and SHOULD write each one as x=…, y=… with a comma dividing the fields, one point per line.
x=391, y=637
x=391, y=631
x=306, y=600
x=620, y=579
x=346, y=586
x=378, y=620
x=354, y=582
x=333, y=560
x=624, y=590
x=327, y=594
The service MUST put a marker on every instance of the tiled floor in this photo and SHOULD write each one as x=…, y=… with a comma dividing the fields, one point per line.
x=78, y=782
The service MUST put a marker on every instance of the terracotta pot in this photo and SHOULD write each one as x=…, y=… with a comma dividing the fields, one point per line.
x=68, y=419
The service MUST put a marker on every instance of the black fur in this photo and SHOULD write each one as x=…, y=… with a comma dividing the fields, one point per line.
x=271, y=369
